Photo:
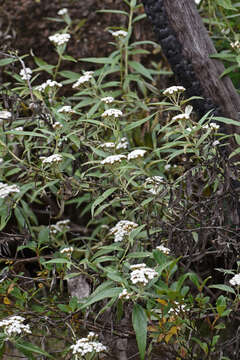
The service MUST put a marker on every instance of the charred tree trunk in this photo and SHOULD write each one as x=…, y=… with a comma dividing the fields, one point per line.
x=188, y=47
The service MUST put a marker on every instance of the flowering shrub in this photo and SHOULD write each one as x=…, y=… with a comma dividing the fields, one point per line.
x=117, y=188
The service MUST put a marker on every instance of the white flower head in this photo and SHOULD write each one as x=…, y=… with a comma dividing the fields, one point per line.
x=4, y=114
x=235, y=281
x=108, y=99
x=122, y=229
x=113, y=159
x=26, y=73
x=235, y=44
x=123, y=143
x=57, y=125
x=197, y=2
x=60, y=226
x=86, y=77
x=142, y=274
x=135, y=154
x=108, y=145
x=87, y=346
x=215, y=143
x=66, y=109
x=67, y=250
x=14, y=326
x=5, y=190
x=163, y=249
x=112, y=113
x=214, y=126
x=51, y=159
x=167, y=166
x=119, y=34
x=173, y=90
x=59, y=39
x=62, y=12
x=125, y=295
x=48, y=84
x=183, y=116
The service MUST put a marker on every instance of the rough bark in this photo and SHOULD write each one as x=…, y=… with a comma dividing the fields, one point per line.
x=188, y=47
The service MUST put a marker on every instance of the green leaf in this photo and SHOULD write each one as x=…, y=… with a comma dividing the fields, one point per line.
x=7, y=61
x=113, y=11
x=226, y=120
x=101, y=198
x=138, y=123
x=223, y=288
x=57, y=261
x=68, y=58
x=226, y=4
x=139, y=68
x=106, y=293
x=26, y=347
x=139, y=320
x=102, y=60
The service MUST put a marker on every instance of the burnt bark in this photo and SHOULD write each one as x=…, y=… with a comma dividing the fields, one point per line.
x=188, y=47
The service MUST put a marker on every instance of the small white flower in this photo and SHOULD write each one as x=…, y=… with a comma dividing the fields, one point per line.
x=60, y=226
x=87, y=345
x=113, y=159
x=48, y=84
x=215, y=143
x=197, y=2
x=178, y=308
x=57, y=125
x=163, y=249
x=235, y=281
x=123, y=144
x=119, y=33
x=108, y=145
x=67, y=250
x=63, y=11
x=86, y=77
x=214, y=126
x=19, y=128
x=235, y=45
x=142, y=274
x=1, y=161
x=112, y=112
x=5, y=190
x=66, y=109
x=14, y=326
x=122, y=229
x=181, y=117
x=52, y=158
x=135, y=154
x=167, y=166
x=124, y=294
x=59, y=39
x=26, y=73
x=173, y=90
x=4, y=114
x=108, y=99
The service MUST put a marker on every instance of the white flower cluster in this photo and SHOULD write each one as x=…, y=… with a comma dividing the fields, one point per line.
x=87, y=76
x=177, y=309
x=59, y=39
x=124, y=295
x=173, y=90
x=4, y=114
x=26, y=73
x=60, y=226
x=163, y=249
x=63, y=11
x=135, y=154
x=51, y=159
x=235, y=44
x=119, y=33
x=57, y=125
x=47, y=84
x=155, y=182
x=212, y=126
x=108, y=99
x=87, y=345
x=123, y=143
x=235, y=281
x=142, y=274
x=66, y=109
x=113, y=159
x=19, y=128
x=67, y=250
x=112, y=112
x=108, y=145
x=5, y=190
x=183, y=116
x=14, y=326
x=122, y=229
